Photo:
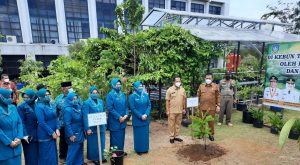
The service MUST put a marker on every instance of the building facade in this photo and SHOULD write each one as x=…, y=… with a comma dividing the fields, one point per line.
x=42, y=29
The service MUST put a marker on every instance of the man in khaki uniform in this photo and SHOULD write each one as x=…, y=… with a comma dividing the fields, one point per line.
x=209, y=100
x=175, y=107
x=228, y=89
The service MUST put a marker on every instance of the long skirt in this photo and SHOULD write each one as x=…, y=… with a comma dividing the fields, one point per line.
x=47, y=153
x=92, y=146
x=141, y=138
x=117, y=139
x=31, y=152
x=75, y=154
x=12, y=161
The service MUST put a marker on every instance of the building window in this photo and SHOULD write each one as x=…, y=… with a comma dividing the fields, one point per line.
x=43, y=21
x=215, y=10
x=46, y=59
x=156, y=4
x=11, y=64
x=178, y=5
x=198, y=8
x=77, y=18
x=9, y=20
x=106, y=14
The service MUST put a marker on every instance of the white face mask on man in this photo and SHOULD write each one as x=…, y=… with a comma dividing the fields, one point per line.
x=177, y=84
x=208, y=81
x=6, y=80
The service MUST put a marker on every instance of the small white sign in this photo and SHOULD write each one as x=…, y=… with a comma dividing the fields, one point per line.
x=95, y=119
x=192, y=102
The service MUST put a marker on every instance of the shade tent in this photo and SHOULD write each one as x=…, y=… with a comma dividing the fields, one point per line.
x=222, y=28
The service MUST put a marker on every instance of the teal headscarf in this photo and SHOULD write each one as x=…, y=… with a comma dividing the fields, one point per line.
x=5, y=96
x=31, y=94
x=113, y=84
x=136, y=87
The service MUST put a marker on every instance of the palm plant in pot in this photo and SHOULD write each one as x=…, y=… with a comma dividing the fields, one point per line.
x=258, y=116
x=295, y=131
x=247, y=115
x=276, y=122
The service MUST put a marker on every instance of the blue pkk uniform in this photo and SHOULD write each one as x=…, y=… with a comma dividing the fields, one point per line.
x=47, y=124
x=10, y=128
x=73, y=121
x=60, y=104
x=93, y=105
x=26, y=111
x=117, y=107
x=140, y=105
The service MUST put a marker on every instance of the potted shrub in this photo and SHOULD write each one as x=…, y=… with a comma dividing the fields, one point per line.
x=276, y=122
x=258, y=116
x=247, y=117
x=115, y=156
x=244, y=94
x=295, y=131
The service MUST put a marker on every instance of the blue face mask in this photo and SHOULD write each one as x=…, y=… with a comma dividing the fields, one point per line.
x=7, y=101
x=139, y=90
x=75, y=102
x=27, y=100
x=94, y=96
x=118, y=88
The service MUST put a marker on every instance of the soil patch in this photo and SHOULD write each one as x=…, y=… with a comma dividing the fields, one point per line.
x=196, y=152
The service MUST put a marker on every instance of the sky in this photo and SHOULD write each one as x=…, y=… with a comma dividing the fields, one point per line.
x=252, y=8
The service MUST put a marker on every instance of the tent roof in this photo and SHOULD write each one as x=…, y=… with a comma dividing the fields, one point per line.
x=219, y=27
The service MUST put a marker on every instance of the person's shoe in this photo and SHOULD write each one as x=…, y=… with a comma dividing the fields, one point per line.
x=211, y=138
x=96, y=162
x=104, y=161
x=178, y=139
x=125, y=154
x=139, y=153
x=171, y=141
x=219, y=124
x=230, y=124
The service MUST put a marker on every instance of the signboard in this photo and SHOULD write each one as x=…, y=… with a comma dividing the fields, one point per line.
x=95, y=119
x=282, y=84
x=192, y=102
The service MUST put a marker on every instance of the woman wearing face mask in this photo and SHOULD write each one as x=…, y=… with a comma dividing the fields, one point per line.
x=118, y=113
x=94, y=105
x=11, y=130
x=26, y=111
x=140, y=106
x=74, y=130
x=48, y=128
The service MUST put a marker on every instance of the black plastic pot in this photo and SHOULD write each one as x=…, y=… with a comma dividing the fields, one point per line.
x=258, y=123
x=241, y=106
x=274, y=130
x=247, y=117
x=294, y=135
x=119, y=159
x=186, y=122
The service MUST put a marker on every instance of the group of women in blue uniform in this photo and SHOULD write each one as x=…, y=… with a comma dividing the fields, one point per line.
x=35, y=124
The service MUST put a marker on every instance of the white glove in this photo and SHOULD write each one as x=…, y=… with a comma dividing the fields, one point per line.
x=26, y=139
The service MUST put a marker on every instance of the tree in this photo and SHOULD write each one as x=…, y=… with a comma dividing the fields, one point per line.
x=286, y=13
x=30, y=71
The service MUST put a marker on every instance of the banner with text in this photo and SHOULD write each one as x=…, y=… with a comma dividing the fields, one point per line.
x=282, y=83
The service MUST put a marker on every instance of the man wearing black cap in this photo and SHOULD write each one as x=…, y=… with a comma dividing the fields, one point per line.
x=59, y=104
x=272, y=92
x=289, y=93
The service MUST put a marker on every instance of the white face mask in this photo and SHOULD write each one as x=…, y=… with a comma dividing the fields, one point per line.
x=177, y=84
x=71, y=90
x=208, y=81
x=6, y=80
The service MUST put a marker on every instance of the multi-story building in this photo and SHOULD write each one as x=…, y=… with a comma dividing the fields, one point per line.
x=42, y=29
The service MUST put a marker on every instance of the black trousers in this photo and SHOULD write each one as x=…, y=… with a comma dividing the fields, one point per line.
x=63, y=146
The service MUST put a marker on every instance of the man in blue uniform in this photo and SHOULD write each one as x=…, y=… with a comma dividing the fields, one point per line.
x=117, y=114
x=59, y=104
